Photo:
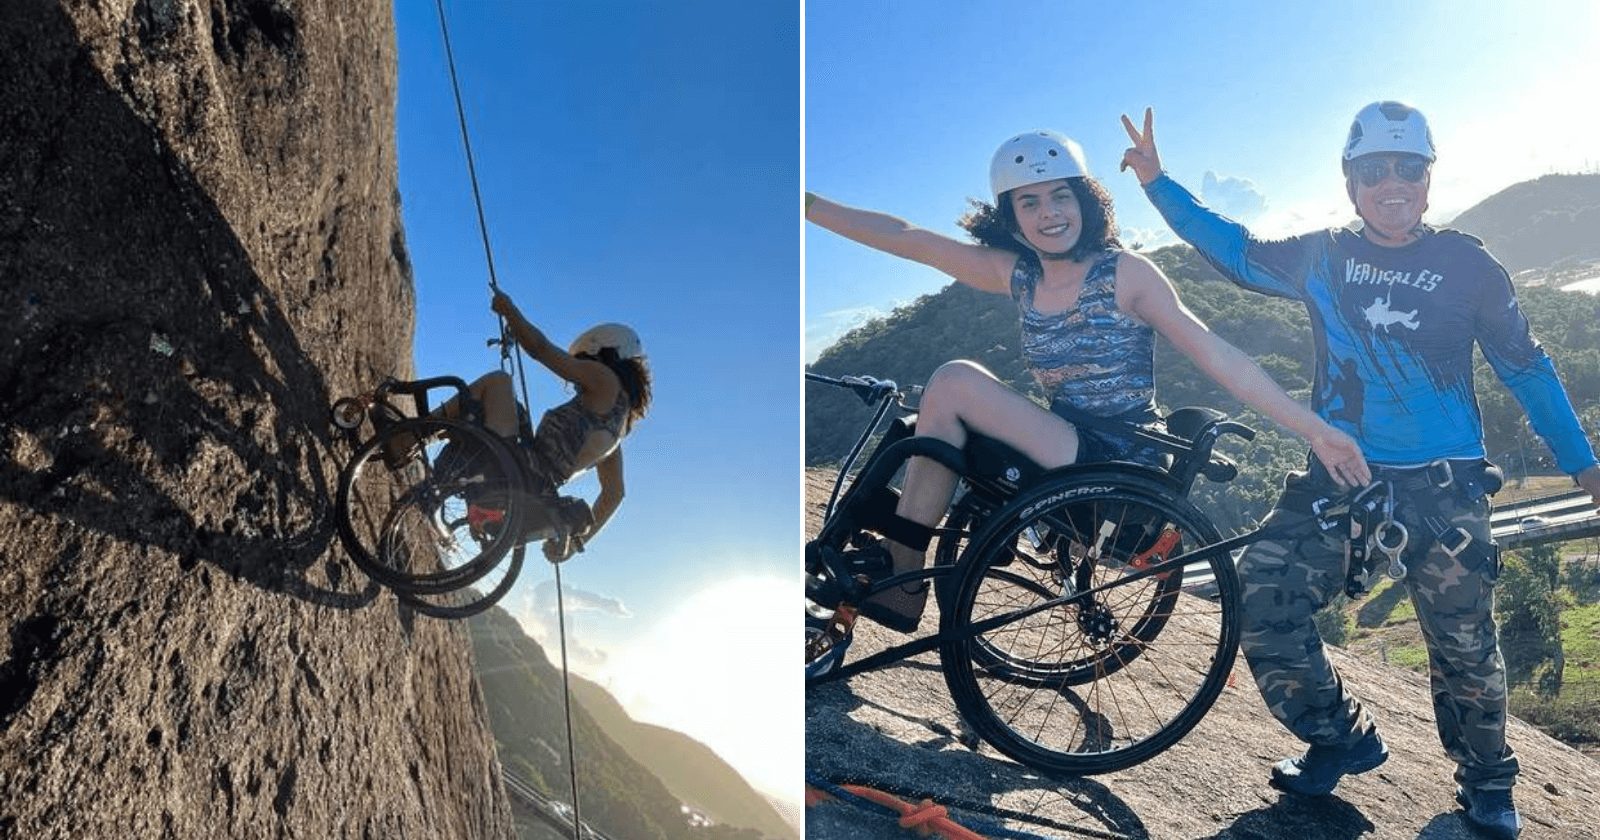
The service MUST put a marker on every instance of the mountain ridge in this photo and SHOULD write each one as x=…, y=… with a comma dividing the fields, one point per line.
x=1540, y=223
x=632, y=776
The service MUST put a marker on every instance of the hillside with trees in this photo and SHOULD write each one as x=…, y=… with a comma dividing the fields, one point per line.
x=1548, y=222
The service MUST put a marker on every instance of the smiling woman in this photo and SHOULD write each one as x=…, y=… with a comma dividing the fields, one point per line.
x=1089, y=314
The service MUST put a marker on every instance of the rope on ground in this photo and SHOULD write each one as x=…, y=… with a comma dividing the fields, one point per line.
x=925, y=819
x=819, y=790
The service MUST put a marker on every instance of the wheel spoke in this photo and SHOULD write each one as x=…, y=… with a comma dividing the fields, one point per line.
x=1132, y=667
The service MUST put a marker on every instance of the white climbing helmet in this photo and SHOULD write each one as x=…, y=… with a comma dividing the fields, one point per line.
x=1032, y=157
x=1389, y=127
x=618, y=337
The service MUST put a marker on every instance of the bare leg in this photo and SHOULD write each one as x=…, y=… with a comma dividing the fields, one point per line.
x=494, y=391
x=963, y=397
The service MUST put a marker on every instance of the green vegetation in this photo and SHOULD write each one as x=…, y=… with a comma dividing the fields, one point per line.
x=1580, y=637
x=1410, y=657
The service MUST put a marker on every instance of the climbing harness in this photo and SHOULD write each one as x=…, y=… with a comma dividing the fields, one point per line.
x=507, y=341
x=1374, y=521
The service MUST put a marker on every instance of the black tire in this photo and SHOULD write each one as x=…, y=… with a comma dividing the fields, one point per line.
x=1106, y=682
x=467, y=601
x=407, y=526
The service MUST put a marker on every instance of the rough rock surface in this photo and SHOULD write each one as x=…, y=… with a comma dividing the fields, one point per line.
x=200, y=246
x=897, y=729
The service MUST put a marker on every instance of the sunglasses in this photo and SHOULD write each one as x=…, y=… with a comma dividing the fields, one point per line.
x=1371, y=171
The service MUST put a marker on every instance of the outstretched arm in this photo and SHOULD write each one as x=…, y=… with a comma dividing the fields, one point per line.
x=1143, y=290
x=987, y=269
x=1528, y=372
x=1273, y=267
x=592, y=378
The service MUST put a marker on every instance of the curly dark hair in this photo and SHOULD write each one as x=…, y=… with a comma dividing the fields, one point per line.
x=633, y=375
x=995, y=225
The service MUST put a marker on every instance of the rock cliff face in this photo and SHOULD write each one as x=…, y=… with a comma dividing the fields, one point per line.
x=200, y=246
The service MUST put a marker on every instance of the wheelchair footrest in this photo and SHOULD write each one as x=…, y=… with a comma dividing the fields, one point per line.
x=834, y=577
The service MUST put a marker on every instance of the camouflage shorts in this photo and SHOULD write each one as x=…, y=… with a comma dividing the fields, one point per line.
x=1286, y=581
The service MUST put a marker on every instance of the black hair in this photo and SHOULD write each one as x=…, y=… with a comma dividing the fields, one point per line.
x=633, y=375
x=995, y=225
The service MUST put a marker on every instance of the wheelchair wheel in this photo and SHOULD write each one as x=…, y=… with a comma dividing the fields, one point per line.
x=1038, y=566
x=469, y=600
x=430, y=505
x=1110, y=680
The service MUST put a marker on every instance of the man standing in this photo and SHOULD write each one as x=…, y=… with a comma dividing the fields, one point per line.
x=1395, y=308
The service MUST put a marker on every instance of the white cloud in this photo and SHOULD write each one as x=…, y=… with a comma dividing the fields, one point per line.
x=823, y=330
x=1236, y=198
x=536, y=612
x=714, y=670
x=710, y=668
x=576, y=600
x=1148, y=239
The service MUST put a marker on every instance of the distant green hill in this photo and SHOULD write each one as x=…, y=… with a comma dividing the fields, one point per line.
x=619, y=794
x=1539, y=224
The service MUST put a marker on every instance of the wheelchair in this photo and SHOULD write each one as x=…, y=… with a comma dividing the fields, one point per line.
x=440, y=510
x=1088, y=615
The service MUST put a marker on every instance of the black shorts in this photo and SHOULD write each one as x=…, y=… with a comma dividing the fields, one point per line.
x=1104, y=442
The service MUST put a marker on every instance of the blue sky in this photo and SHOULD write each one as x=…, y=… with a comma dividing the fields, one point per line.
x=639, y=163
x=905, y=102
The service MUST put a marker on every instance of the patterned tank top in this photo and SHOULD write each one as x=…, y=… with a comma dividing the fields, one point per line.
x=1092, y=356
x=566, y=442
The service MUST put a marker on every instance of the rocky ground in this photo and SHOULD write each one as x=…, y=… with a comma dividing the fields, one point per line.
x=897, y=729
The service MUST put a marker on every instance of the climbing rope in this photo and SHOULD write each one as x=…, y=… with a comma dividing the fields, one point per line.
x=507, y=341
x=566, y=698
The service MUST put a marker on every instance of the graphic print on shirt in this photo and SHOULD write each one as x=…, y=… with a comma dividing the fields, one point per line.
x=1399, y=333
x=1380, y=316
x=1348, y=395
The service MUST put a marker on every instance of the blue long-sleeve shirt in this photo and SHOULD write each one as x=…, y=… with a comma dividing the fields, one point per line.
x=1393, y=330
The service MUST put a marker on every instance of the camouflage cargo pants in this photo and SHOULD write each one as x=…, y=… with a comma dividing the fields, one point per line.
x=1286, y=581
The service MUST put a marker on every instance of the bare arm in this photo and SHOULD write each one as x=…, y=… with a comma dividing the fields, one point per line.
x=987, y=269
x=594, y=380
x=609, y=471
x=1143, y=290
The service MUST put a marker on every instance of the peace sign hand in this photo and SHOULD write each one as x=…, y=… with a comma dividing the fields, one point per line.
x=1142, y=155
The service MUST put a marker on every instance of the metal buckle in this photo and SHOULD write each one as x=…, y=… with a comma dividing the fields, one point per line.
x=1326, y=514
x=1463, y=539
